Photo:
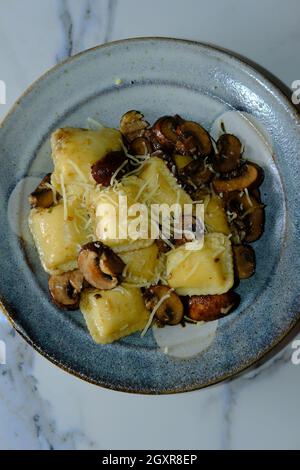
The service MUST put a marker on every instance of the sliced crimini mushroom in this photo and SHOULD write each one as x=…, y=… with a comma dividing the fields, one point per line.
x=164, y=131
x=103, y=170
x=246, y=216
x=100, y=266
x=110, y=263
x=42, y=196
x=244, y=260
x=229, y=154
x=256, y=193
x=212, y=307
x=133, y=125
x=253, y=216
x=155, y=143
x=196, y=173
x=251, y=176
x=65, y=289
x=140, y=146
x=170, y=311
x=254, y=221
x=194, y=139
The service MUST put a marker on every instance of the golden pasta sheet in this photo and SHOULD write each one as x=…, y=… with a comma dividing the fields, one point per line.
x=141, y=265
x=205, y=271
x=182, y=160
x=115, y=313
x=57, y=240
x=215, y=217
x=74, y=151
x=160, y=186
x=110, y=209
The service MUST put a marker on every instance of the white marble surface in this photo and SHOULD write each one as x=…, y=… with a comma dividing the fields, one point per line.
x=41, y=407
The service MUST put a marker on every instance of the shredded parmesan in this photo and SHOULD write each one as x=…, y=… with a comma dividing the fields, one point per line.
x=154, y=191
x=122, y=290
x=88, y=223
x=248, y=197
x=190, y=274
x=105, y=195
x=212, y=189
x=167, y=242
x=93, y=124
x=225, y=310
x=125, y=270
x=136, y=170
x=64, y=196
x=250, y=210
x=112, y=180
x=152, y=314
x=137, y=284
x=54, y=192
x=142, y=188
x=135, y=159
x=231, y=216
x=77, y=169
x=91, y=236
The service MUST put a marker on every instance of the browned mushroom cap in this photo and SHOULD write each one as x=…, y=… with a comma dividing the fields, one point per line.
x=42, y=196
x=244, y=259
x=65, y=289
x=100, y=266
x=170, y=312
x=133, y=125
x=164, y=131
x=247, y=216
x=105, y=168
x=140, y=146
x=255, y=221
x=251, y=176
x=196, y=173
x=256, y=194
x=212, y=307
x=229, y=154
x=194, y=139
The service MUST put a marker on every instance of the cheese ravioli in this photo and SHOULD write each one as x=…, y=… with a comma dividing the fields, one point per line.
x=106, y=210
x=215, y=217
x=202, y=272
x=112, y=314
x=74, y=151
x=141, y=265
x=57, y=240
x=160, y=185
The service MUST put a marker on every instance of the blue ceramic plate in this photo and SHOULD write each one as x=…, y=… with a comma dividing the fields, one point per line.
x=156, y=76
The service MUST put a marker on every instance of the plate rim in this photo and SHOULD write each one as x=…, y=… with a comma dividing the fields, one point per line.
x=268, y=78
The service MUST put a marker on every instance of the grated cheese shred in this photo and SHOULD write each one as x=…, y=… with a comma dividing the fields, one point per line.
x=64, y=196
x=248, y=197
x=77, y=169
x=152, y=314
x=112, y=180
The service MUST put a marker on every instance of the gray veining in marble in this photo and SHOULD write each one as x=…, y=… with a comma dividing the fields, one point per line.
x=88, y=24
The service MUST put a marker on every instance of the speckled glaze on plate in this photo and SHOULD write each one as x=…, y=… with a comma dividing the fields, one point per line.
x=158, y=76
